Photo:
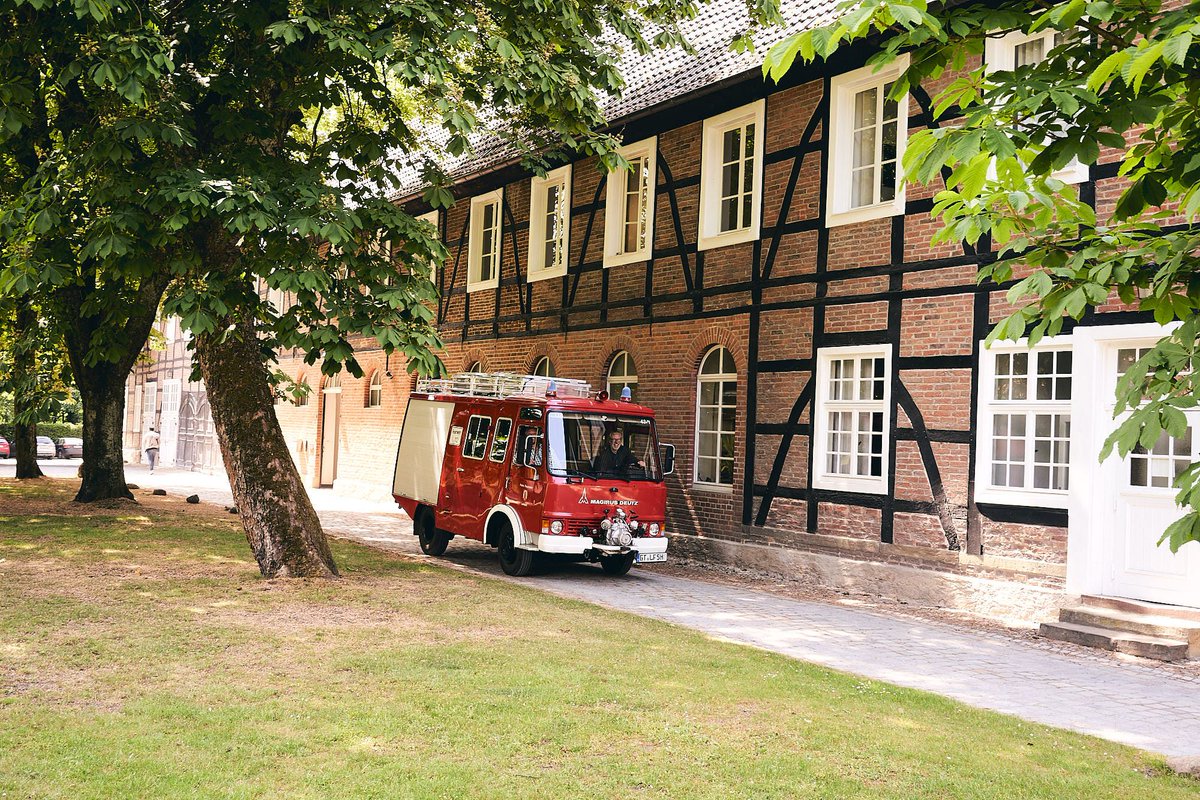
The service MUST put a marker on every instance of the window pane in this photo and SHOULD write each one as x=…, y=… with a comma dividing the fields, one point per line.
x=864, y=147
x=1029, y=53
x=729, y=214
x=706, y=470
x=708, y=419
x=726, y=472
x=729, y=180
x=862, y=191
x=709, y=392
x=726, y=445
x=864, y=107
x=729, y=393
x=727, y=365
x=731, y=145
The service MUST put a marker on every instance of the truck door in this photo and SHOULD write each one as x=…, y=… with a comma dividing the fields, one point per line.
x=466, y=501
x=526, y=486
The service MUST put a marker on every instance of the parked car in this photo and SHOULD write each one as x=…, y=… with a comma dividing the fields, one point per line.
x=69, y=447
x=4, y=449
x=45, y=447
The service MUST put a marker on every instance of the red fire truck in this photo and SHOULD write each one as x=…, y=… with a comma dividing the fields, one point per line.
x=533, y=465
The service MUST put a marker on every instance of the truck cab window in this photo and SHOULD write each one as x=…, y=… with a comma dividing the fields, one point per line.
x=602, y=446
x=475, y=445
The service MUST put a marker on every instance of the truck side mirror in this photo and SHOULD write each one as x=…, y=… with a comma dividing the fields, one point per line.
x=666, y=454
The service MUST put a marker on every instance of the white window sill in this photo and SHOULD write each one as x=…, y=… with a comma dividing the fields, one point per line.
x=1073, y=173
x=535, y=275
x=892, y=208
x=620, y=259
x=482, y=286
x=851, y=483
x=712, y=488
x=740, y=236
x=1031, y=498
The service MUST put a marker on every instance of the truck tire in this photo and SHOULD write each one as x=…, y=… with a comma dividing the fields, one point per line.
x=433, y=542
x=514, y=561
x=617, y=565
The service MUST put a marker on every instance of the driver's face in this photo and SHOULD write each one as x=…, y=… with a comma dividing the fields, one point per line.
x=614, y=440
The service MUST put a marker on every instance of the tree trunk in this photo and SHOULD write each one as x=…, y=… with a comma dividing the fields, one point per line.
x=102, y=384
x=103, y=394
x=276, y=512
x=24, y=447
x=24, y=444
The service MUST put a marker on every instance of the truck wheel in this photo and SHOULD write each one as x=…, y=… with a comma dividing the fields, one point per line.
x=433, y=542
x=617, y=565
x=514, y=561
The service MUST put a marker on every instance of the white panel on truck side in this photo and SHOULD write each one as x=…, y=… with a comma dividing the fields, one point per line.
x=422, y=449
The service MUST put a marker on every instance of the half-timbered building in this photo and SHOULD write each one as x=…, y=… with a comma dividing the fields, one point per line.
x=763, y=280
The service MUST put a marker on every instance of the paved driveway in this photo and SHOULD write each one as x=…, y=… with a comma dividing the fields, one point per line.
x=1125, y=702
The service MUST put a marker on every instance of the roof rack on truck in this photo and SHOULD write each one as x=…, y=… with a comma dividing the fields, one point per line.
x=503, y=384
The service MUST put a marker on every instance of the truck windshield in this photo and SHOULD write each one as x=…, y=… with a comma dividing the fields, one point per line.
x=602, y=446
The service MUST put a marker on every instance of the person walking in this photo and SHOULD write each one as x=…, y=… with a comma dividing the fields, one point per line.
x=152, y=448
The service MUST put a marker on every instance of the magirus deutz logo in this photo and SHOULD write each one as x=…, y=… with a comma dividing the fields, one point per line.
x=586, y=501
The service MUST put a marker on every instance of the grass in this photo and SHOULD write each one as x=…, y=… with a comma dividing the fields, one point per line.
x=141, y=655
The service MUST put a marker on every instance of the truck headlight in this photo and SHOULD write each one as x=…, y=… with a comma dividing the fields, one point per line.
x=556, y=526
x=654, y=529
x=633, y=525
x=605, y=524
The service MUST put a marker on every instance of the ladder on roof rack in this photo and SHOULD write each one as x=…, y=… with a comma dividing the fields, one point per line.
x=502, y=384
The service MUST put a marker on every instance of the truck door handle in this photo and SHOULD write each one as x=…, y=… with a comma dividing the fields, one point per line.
x=460, y=469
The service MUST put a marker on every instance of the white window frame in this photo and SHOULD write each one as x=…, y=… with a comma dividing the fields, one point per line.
x=822, y=405
x=988, y=406
x=999, y=55
x=711, y=168
x=375, y=390
x=150, y=405
x=614, y=206
x=629, y=379
x=537, y=362
x=475, y=241
x=538, y=189
x=842, y=90
x=715, y=377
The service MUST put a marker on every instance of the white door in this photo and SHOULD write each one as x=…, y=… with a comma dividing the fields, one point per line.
x=332, y=396
x=1143, y=505
x=169, y=435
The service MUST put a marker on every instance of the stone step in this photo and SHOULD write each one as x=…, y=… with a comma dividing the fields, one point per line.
x=1184, y=613
x=1135, y=644
x=1148, y=624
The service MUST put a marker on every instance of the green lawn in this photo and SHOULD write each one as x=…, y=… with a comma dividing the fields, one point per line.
x=141, y=655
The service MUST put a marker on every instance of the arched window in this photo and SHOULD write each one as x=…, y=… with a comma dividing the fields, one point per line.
x=622, y=373
x=375, y=391
x=544, y=367
x=716, y=417
x=302, y=400
x=476, y=366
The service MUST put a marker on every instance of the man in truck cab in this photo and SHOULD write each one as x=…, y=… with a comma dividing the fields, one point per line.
x=614, y=458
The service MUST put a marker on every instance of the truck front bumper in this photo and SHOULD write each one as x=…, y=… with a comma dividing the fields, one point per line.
x=581, y=545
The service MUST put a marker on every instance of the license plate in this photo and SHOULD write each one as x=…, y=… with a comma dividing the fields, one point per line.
x=647, y=558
